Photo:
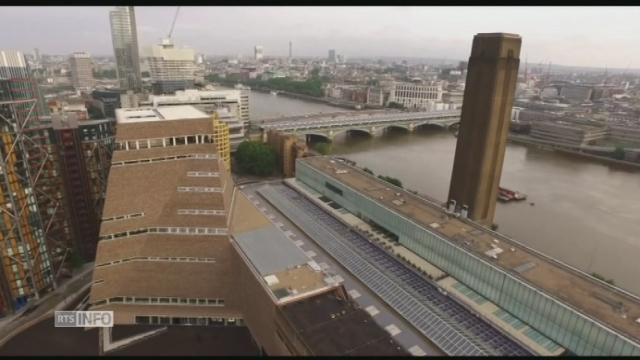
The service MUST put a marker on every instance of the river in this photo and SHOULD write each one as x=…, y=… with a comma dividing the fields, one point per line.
x=585, y=213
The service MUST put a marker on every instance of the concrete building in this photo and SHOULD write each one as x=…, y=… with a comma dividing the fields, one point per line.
x=258, y=52
x=568, y=307
x=171, y=68
x=568, y=132
x=288, y=148
x=484, y=125
x=124, y=35
x=233, y=106
x=81, y=71
x=375, y=96
x=576, y=94
x=625, y=134
x=415, y=96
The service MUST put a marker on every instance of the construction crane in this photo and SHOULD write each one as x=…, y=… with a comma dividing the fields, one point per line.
x=175, y=17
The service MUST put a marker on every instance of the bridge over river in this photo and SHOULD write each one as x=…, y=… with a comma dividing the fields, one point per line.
x=374, y=123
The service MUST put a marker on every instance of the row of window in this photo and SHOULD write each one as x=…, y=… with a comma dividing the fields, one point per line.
x=157, y=258
x=555, y=320
x=160, y=301
x=167, y=230
x=123, y=217
x=165, y=158
x=200, y=321
x=163, y=142
x=199, y=189
x=200, y=212
x=202, y=174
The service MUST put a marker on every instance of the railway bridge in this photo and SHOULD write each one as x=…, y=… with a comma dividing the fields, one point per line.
x=374, y=123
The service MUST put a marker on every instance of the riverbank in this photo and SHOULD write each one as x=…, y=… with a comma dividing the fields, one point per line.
x=323, y=100
x=545, y=145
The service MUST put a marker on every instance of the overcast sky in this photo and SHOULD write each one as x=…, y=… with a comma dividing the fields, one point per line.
x=581, y=36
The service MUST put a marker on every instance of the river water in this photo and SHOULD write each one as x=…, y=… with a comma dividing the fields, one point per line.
x=585, y=213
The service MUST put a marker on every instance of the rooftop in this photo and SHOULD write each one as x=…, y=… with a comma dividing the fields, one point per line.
x=285, y=270
x=331, y=325
x=591, y=297
x=270, y=251
x=146, y=114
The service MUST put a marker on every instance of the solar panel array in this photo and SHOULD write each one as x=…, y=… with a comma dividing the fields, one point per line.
x=445, y=322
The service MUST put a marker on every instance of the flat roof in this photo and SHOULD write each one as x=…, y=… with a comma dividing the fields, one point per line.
x=591, y=297
x=284, y=270
x=270, y=251
x=332, y=325
x=146, y=114
x=169, y=128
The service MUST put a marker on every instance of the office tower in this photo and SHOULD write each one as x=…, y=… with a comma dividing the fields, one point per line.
x=258, y=52
x=290, y=50
x=332, y=55
x=171, y=68
x=484, y=125
x=125, y=47
x=26, y=267
x=81, y=71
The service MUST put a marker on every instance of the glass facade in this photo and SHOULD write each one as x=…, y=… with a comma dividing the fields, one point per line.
x=125, y=47
x=562, y=324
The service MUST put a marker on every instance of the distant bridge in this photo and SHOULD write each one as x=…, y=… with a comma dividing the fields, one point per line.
x=374, y=123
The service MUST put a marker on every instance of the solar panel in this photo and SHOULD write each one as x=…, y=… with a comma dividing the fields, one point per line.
x=453, y=328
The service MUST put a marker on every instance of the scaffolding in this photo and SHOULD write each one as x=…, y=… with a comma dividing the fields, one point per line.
x=20, y=174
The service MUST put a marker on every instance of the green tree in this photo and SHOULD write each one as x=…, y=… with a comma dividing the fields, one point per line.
x=395, y=105
x=75, y=259
x=391, y=180
x=600, y=277
x=256, y=158
x=323, y=148
x=618, y=153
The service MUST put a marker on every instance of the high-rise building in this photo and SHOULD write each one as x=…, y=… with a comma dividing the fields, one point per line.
x=258, y=52
x=25, y=263
x=484, y=125
x=163, y=239
x=290, y=50
x=180, y=245
x=332, y=55
x=83, y=150
x=125, y=47
x=81, y=71
x=171, y=68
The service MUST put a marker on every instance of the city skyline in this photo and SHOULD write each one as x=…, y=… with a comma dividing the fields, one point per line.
x=430, y=32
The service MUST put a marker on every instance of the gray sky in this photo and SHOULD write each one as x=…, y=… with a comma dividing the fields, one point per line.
x=581, y=36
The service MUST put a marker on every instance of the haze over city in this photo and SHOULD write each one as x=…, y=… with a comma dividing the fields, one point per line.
x=576, y=36
x=316, y=181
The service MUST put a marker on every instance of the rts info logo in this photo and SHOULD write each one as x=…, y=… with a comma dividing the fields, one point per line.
x=83, y=319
